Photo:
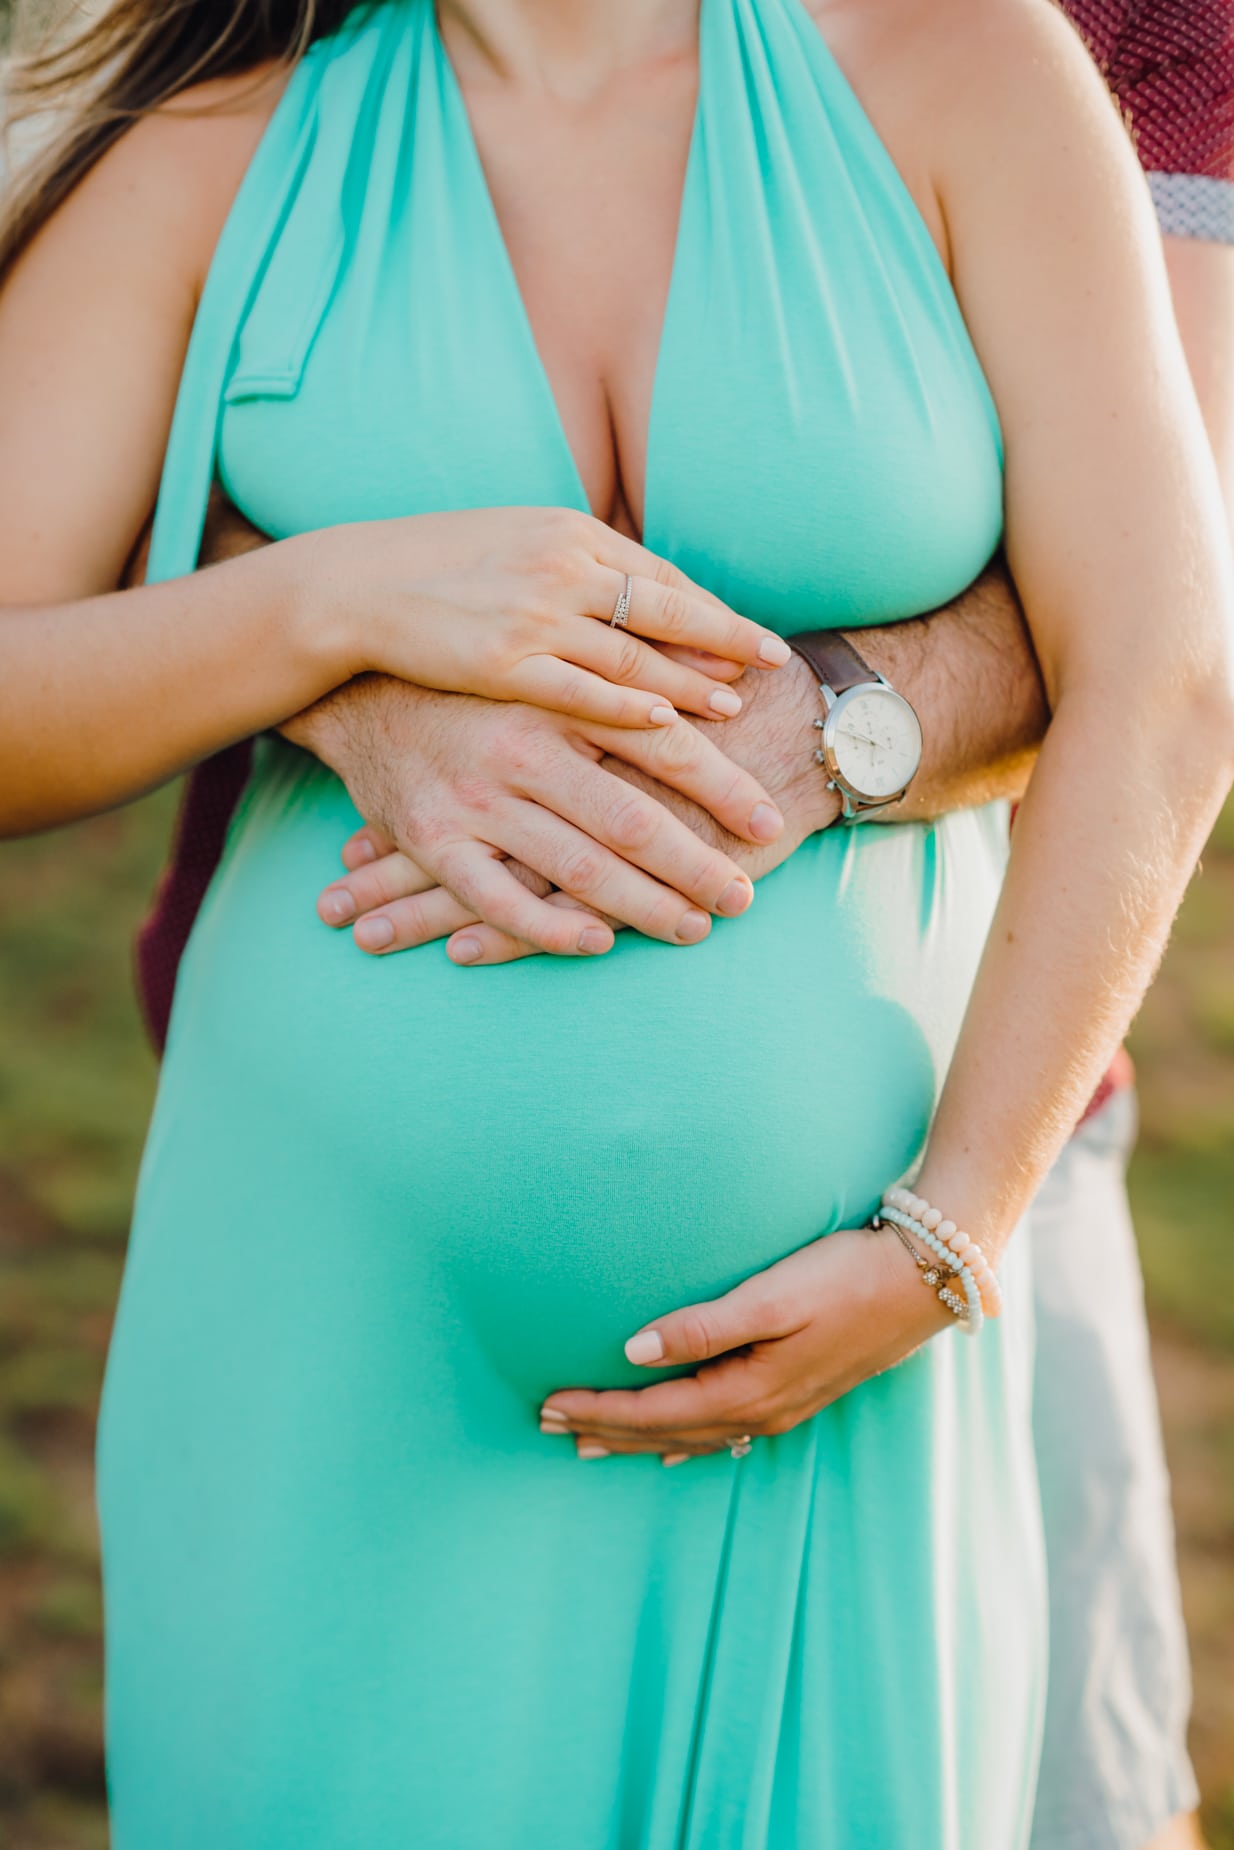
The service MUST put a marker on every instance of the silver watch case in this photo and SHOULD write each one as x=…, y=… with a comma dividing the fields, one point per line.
x=856, y=802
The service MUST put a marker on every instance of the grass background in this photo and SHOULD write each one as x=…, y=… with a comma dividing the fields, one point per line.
x=76, y=1080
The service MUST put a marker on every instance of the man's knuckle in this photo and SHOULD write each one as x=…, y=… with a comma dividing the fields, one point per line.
x=420, y=824
x=578, y=869
x=632, y=822
x=474, y=792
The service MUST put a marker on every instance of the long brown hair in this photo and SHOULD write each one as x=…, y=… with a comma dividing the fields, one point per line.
x=124, y=62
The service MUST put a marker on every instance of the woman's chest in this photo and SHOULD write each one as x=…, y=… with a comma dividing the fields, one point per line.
x=722, y=321
x=586, y=200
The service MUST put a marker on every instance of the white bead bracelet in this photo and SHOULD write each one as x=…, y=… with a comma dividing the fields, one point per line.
x=969, y=1310
x=945, y=1238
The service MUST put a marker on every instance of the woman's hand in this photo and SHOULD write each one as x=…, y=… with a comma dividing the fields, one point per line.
x=466, y=788
x=516, y=604
x=774, y=1351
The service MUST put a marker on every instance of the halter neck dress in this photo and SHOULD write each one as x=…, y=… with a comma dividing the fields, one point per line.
x=354, y=1597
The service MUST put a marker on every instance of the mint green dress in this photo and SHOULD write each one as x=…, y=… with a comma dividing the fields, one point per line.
x=355, y=1599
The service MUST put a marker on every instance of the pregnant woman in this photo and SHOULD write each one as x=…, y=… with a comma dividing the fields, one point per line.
x=775, y=308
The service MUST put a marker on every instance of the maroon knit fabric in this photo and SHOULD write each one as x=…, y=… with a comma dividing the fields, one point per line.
x=1170, y=63
x=211, y=794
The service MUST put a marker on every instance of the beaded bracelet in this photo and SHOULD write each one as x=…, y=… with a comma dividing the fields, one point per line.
x=971, y=1314
x=946, y=1239
x=937, y=1277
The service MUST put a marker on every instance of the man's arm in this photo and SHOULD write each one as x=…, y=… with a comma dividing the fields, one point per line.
x=970, y=672
x=1202, y=285
x=968, y=669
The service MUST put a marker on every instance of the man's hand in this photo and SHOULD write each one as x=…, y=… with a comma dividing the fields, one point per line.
x=396, y=905
x=969, y=670
x=467, y=786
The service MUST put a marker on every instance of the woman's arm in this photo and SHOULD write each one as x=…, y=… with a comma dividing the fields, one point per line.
x=1116, y=538
x=102, y=695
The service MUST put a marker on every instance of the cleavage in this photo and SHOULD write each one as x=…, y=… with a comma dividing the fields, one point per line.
x=588, y=202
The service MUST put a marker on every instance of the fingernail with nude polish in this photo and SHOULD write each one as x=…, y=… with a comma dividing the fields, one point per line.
x=589, y=1450
x=338, y=906
x=595, y=941
x=773, y=652
x=465, y=951
x=725, y=701
x=556, y=1428
x=675, y=1458
x=647, y=1346
x=553, y=1413
x=735, y=898
x=373, y=934
x=765, y=822
x=694, y=925
x=662, y=716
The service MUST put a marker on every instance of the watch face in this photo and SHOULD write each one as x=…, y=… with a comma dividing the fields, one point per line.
x=876, y=742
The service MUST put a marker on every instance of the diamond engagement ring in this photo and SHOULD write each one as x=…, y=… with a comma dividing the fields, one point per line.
x=621, y=614
x=740, y=1447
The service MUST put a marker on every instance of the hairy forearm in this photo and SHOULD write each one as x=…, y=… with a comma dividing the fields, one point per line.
x=970, y=672
x=350, y=728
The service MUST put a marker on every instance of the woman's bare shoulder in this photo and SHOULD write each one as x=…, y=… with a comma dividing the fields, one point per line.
x=168, y=183
x=1013, y=69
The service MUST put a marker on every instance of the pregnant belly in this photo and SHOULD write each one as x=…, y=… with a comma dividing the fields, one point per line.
x=539, y=1157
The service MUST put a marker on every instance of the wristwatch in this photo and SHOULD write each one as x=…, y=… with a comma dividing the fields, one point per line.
x=871, y=738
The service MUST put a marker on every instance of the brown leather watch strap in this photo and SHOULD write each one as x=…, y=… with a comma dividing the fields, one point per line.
x=832, y=658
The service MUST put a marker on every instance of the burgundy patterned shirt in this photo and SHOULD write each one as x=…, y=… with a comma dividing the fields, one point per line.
x=1170, y=64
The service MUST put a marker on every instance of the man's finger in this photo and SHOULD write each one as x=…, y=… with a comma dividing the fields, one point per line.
x=406, y=924
x=393, y=877
x=498, y=947
x=641, y=831
x=607, y=883
x=367, y=844
x=480, y=879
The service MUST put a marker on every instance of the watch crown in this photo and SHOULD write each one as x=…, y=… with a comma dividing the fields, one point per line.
x=820, y=757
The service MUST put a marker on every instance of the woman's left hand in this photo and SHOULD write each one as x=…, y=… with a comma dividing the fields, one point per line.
x=774, y=1351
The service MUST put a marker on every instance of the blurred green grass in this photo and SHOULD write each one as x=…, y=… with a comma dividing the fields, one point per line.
x=1183, y=1176
x=76, y=1083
